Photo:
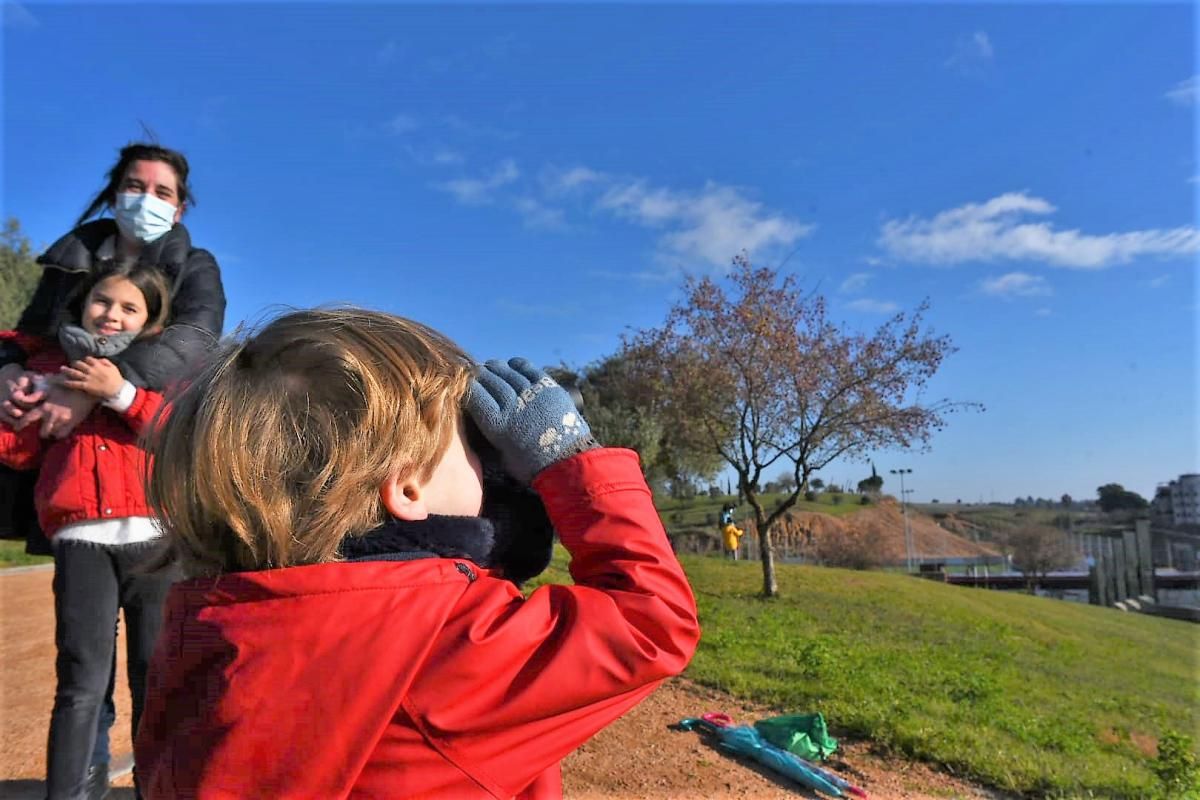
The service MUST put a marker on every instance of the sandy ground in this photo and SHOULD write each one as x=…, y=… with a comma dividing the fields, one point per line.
x=639, y=758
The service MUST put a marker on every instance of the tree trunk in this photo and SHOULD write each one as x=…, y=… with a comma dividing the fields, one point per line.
x=767, y=554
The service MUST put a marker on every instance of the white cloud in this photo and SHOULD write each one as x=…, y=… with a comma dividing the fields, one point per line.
x=1016, y=284
x=711, y=225
x=1184, y=93
x=972, y=52
x=708, y=226
x=433, y=155
x=870, y=306
x=1042, y=312
x=994, y=231
x=855, y=283
x=1159, y=282
x=472, y=130
x=387, y=53
x=17, y=16
x=479, y=191
x=560, y=181
x=537, y=214
x=401, y=124
x=642, y=276
x=444, y=156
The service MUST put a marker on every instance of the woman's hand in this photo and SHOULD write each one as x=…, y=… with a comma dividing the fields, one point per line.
x=99, y=377
x=20, y=396
x=63, y=409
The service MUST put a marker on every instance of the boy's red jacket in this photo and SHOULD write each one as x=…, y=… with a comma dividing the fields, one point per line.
x=98, y=471
x=426, y=678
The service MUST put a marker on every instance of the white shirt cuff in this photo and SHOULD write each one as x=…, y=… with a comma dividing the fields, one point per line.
x=123, y=399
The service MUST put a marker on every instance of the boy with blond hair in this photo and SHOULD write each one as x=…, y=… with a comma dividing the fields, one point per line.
x=348, y=630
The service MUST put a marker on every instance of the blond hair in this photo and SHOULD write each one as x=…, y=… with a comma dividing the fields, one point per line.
x=277, y=450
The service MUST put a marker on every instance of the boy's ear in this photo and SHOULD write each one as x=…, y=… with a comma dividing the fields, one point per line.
x=404, y=498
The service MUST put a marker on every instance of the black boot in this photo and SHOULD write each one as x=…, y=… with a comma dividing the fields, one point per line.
x=97, y=782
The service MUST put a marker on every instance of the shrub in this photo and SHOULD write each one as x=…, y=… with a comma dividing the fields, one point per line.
x=1176, y=767
x=810, y=496
x=849, y=549
x=864, y=500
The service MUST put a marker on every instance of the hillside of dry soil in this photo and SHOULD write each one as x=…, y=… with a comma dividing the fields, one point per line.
x=876, y=532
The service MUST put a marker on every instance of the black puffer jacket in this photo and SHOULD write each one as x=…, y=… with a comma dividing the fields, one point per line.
x=197, y=301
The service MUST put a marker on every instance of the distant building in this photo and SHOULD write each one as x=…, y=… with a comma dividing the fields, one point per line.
x=1178, y=502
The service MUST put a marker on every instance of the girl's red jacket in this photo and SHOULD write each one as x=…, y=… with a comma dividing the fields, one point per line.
x=431, y=678
x=98, y=471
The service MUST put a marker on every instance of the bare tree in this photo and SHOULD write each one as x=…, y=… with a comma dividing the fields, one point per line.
x=764, y=376
x=1039, y=549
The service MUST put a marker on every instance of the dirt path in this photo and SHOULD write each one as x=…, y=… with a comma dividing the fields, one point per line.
x=638, y=758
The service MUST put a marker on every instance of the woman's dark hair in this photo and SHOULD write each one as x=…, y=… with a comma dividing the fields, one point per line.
x=139, y=151
x=147, y=278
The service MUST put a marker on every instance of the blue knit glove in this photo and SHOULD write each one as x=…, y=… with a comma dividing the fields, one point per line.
x=527, y=416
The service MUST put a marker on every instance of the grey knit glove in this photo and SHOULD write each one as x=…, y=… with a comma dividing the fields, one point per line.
x=527, y=416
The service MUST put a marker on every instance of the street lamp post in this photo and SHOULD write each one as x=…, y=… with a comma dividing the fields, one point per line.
x=908, y=542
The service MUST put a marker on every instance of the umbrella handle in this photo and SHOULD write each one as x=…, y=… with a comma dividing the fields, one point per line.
x=718, y=718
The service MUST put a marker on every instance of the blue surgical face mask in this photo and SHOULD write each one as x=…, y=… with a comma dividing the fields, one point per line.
x=143, y=216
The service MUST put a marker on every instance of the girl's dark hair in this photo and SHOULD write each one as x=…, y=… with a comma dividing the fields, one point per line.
x=147, y=278
x=139, y=151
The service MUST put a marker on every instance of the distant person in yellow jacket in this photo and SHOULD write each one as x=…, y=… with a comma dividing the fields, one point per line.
x=731, y=534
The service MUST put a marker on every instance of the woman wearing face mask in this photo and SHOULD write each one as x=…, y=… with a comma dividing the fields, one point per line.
x=146, y=193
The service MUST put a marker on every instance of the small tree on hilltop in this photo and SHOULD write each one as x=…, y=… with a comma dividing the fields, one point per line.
x=1039, y=549
x=871, y=485
x=770, y=378
x=1115, y=497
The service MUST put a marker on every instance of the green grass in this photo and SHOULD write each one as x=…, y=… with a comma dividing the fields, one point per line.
x=1025, y=694
x=12, y=554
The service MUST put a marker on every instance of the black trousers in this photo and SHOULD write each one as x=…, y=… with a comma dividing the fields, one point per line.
x=91, y=582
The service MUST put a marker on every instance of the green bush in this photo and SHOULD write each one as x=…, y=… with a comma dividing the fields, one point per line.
x=1176, y=767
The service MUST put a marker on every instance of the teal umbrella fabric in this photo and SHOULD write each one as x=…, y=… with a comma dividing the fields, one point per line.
x=745, y=740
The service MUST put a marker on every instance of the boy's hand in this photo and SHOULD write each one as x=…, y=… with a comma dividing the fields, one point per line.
x=98, y=377
x=528, y=417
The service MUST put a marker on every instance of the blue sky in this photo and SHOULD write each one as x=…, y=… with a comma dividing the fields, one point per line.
x=536, y=180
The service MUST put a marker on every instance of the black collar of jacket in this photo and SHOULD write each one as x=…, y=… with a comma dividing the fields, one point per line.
x=436, y=536
x=76, y=251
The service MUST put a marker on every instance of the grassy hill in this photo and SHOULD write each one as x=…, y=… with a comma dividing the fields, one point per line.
x=1022, y=693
